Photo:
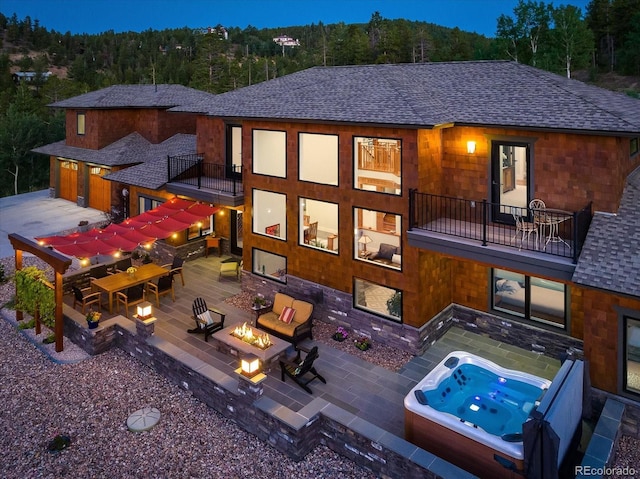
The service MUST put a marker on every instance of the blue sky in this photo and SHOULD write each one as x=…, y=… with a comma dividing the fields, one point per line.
x=96, y=16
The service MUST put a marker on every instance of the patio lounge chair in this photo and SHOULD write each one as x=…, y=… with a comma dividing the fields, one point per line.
x=232, y=268
x=205, y=323
x=297, y=369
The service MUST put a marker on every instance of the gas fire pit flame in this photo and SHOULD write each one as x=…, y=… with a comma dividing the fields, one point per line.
x=247, y=334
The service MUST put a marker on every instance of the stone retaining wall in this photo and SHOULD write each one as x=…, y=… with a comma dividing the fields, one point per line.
x=293, y=433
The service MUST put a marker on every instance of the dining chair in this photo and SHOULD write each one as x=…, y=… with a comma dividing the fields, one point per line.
x=133, y=296
x=176, y=267
x=163, y=287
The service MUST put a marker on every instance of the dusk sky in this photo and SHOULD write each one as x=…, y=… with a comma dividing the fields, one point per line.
x=96, y=16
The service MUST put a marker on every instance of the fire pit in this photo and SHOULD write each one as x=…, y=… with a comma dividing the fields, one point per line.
x=248, y=335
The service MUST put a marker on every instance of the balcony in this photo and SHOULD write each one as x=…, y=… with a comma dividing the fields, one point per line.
x=189, y=175
x=487, y=232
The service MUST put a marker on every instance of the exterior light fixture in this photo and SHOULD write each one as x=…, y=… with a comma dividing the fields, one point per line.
x=250, y=365
x=116, y=254
x=471, y=147
x=84, y=262
x=174, y=235
x=144, y=310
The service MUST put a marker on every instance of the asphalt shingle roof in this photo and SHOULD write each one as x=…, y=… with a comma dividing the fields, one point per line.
x=428, y=94
x=130, y=150
x=135, y=96
x=153, y=172
x=610, y=257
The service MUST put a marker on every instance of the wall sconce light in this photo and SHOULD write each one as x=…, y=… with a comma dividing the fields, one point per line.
x=144, y=310
x=471, y=147
x=250, y=365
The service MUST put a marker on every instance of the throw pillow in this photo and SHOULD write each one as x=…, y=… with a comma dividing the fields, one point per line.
x=287, y=315
x=386, y=251
x=205, y=319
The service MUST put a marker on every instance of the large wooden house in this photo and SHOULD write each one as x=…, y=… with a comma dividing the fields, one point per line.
x=400, y=200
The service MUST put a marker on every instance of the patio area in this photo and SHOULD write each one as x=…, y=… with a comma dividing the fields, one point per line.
x=366, y=390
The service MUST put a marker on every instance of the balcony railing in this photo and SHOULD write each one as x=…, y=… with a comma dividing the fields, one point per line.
x=192, y=170
x=551, y=231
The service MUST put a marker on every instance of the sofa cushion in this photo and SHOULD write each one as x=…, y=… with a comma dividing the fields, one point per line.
x=287, y=315
x=386, y=251
x=303, y=311
x=280, y=301
x=205, y=319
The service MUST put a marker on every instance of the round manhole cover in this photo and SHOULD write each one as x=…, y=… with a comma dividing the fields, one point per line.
x=143, y=419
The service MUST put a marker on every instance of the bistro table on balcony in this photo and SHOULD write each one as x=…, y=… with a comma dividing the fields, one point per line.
x=551, y=218
x=119, y=281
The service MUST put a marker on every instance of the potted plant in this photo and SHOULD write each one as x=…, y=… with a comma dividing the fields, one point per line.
x=340, y=335
x=93, y=318
x=259, y=301
x=362, y=343
x=394, y=304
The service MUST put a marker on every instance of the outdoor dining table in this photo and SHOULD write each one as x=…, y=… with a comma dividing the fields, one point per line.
x=117, y=282
x=551, y=218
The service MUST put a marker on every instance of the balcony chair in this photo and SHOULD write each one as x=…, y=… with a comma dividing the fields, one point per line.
x=163, y=287
x=176, y=267
x=232, y=268
x=133, y=296
x=84, y=298
x=524, y=228
x=205, y=323
x=302, y=372
x=311, y=233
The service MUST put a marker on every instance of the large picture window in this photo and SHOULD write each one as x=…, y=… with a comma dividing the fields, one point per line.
x=377, y=299
x=319, y=225
x=270, y=214
x=318, y=156
x=377, y=165
x=270, y=265
x=270, y=153
x=529, y=297
x=377, y=237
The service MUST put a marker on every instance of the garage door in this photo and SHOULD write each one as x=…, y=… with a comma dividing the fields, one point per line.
x=69, y=180
x=99, y=189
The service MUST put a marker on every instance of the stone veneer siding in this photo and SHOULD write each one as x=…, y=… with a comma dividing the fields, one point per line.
x=336, y=307
x=293, y=433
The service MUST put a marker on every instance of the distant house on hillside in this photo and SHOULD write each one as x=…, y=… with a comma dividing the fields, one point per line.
x=29, y=77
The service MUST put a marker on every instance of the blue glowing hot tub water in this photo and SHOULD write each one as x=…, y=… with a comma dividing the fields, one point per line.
x=484, y=399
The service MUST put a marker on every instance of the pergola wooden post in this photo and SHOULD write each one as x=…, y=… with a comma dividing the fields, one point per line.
x=58, y=262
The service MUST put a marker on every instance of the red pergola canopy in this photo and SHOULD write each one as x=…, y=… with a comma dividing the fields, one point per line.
x=159, y=223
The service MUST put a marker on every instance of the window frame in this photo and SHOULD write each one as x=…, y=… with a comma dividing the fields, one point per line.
x=260, y=271
x=634, y=146
x=360, y=230
x=325, y=162
x=234, y=170
x=81, y=115
x=282, y=225
x=357, y=175
x=304, y=199
x=282, y=163
x=388, y=316
x=527, y=314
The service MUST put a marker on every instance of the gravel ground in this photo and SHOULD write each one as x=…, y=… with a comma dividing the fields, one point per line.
x=90, y=398
x=90, y=401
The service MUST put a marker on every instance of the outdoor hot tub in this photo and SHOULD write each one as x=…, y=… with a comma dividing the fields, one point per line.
x=469, y=411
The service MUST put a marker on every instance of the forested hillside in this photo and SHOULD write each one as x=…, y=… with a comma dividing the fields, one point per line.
x=605, y=39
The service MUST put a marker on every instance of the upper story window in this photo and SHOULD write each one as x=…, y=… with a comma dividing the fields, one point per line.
x=319, y=224
x=377, y=164
x=270, y=153
x=234, y=149
x=377, y=237
x=270, y=214
x=80, y=123
x=318, y=157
